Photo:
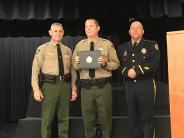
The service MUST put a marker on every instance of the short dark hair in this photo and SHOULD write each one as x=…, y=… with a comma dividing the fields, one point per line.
x=96, y=21
x=131, y=20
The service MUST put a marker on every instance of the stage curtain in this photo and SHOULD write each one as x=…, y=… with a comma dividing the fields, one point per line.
x=73, y=9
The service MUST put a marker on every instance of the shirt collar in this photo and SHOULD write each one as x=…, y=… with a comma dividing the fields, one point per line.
x=54, y=44
x=135, y=41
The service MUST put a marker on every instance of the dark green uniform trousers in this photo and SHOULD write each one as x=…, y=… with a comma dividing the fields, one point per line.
x=56, y=100
x=97, y=100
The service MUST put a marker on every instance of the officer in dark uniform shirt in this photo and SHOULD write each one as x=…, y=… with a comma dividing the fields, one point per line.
x=139, y=59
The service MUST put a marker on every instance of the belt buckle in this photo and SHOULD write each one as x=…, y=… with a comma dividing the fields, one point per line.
x=93, y=82
x=61, y=78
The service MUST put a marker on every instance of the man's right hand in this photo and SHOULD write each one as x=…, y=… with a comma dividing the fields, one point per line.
x=38, y=96
x=131, y=73
x=77, y=59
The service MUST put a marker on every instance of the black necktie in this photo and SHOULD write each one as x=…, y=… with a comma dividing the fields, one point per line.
x=92, y=71
x=60, y=61
x=135, y=44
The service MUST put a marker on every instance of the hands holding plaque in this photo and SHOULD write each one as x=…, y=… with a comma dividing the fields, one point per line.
x=90, y=60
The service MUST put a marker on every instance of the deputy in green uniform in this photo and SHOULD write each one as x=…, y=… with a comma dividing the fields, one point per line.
x=55, y=92
x=96, y=90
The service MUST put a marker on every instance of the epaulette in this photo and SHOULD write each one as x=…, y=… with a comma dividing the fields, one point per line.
x=82, y=41
x=126, y=44
x=150, y=41
x=103, y=39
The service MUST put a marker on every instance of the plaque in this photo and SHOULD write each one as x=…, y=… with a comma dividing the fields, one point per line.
x=89, y=59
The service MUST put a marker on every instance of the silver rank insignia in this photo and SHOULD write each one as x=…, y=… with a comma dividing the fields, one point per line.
x=125, y=54
x=143, y=50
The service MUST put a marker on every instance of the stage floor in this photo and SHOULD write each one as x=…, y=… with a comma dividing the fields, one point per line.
x=7, y=130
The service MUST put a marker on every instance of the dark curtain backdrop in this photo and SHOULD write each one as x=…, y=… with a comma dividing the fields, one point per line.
x=24, y=26
x=74, y=9
x=16, y=55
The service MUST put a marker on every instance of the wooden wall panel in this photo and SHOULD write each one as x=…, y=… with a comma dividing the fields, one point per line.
x=175, y=49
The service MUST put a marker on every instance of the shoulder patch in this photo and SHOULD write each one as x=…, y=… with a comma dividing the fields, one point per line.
x=83, y=40
x=156, y=47
x=37, y=51
x=41, y=48
x=112, y=46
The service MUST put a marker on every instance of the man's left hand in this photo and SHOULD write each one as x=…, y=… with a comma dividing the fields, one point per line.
x=74, y=95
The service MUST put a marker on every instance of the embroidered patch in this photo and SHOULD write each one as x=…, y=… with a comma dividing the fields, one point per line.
x=37, y=51
x=112, y=46
x=156, y=47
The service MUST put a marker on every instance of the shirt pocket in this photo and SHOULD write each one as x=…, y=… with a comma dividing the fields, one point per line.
x=67, y=58
x=67, y=61
x=49, y=56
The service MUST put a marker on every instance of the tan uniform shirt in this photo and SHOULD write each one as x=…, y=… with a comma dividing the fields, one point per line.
x=108, y=52
x=46, y=61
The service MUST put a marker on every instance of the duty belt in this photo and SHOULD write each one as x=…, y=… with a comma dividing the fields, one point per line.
x=54, y=78
x=87, y=83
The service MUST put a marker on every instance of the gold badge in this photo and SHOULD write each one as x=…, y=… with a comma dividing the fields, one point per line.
x=143, y=50
x=125, y=54
x=156, y=47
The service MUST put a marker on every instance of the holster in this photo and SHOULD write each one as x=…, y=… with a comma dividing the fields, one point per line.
x=40, y=80
x=78, y=82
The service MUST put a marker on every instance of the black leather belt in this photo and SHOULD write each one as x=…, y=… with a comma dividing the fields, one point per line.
x=54, y=78
x=87, y=83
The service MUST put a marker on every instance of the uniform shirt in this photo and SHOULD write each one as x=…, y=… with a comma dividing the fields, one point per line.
x=108, y=52
x=143, y=58
x=46, y=61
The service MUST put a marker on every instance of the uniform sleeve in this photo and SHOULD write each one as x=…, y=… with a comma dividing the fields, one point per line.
x=75, y=53
x=123, y=69
x=74, y=77
x=36, y=67
x=151, y=63
x=112, y=60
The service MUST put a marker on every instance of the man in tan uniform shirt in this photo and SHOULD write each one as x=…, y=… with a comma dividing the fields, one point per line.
x=96, y=92
x=55, y=92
